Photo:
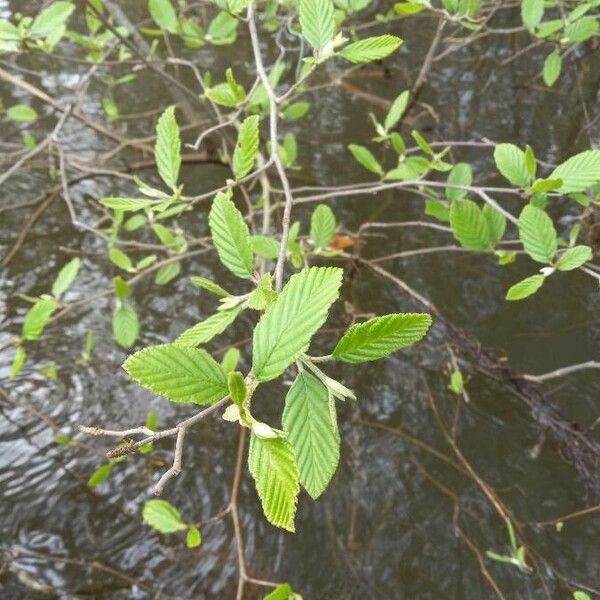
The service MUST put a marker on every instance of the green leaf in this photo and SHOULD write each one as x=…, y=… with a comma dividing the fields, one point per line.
x=511, y=162
x=36, y=318
x=125, y=325
x=573, y=258
x=230, y=235
x=100, y=475
x=532, y=12
x=264, y=295
x=222, y=29
x=397, y=110
x=193, y=538
x=230, y=360
x=284, y=592
x=180, y=374
x=582, y=30
x=167, y=151
x=579, y=595
x=530, y=161
x=316, y=21
x=120, y=259
x=206, y=330
x=422, y=142
x=537, y=233
x=18, y=362
x=369, y=49
x=579, y=172
x=469, y=225
x=365, y=157
x=322, y=226
x=381, y=336
x=312, y=432
x=167, y=273
x=162, y=516
x=296, y=110
x=461, y=174
x=121, y=287
x=438, y=210
x=264, y=245
x=496, y=222
x=51, y=19
x=126, y=204
x=541, y=186
x=273, y=467
x=287, y=326
x=21, y=113
x=525, y=288
x=552, y=67
x=457, y=384
x=163, y=14
x=246, y=148
x=210, y=286
x=237, y=387
x=66, y=277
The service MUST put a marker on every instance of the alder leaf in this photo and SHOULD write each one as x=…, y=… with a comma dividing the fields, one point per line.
x=246, y=148
x=381, y=336
x=125, y=325
x=579, y=172
x=316, y=21
x=322, y=226
x=312, y=432
x=369, y=49
x=206, y=330
x=36, y=318
x=66, y=277
x=469, y=225
x=537, y=233
x=167, y=151
x=287, y=326
x=162, y=516
x=511, y=162
x=365, y=157
x=573, y=258
x=163, y=14
x=525, y=288
x=273, y=467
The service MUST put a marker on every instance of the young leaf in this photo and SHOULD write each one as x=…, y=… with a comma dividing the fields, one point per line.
x=167, y=151
x=100, y=475
x=322, y=226
x=237, y=387
x=461, y=174
x=285, y=592
x=287, y=326
x=36, y=318
x=579, y=172
x=309, y=427
x=230, y=360
x=438, y=210
x=296, y=111
x=162, y=516
x=396, y=110
x=369, y=49
x=510, y=161
x=66, y=277
x=210, y=286
x=246, y=148
x=51, y=19
x=496, y=222
x=120, y=259
x=230, y=235
x=264, y=295
x=128, y=203
x=21, y=113
x=365, y=157
x=163, y=14
x=525, y=288
x=469, y=226
x=552, y=67
x=264, y=245
x=193, y=537
x=18, y=362
x=180, y=374
x=316, y=20
x=532, y=12
x=381, y=336
x=573, y=258
x=125, y=325
x=537, y=233
x=167, y=273
x=206, y=330
x=273, y=467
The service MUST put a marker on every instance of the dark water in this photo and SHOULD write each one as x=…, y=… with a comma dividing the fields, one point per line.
x=389, y=526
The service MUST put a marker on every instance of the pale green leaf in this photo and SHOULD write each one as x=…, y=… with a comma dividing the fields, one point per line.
x=579, y=172
x=162, y=516
x=469, y=225
x=246, y=148
x=525, y=288
x=163, y=14
x=397, y=110
x=462, y=175
x=264, y=245
x=18, y=362
x=322, y=225
x=510, y=161
x=307, y=422
x=496, y=222
x=316, y=21
x=66, y=277
x=438, y=210
x=573, y=258
x=230, y=360
x=21, y=113
x=36, y=318
x=167, y=273
x=381, y=336
x=100, y=475
x=167, y=151
x=582, y=30
x=286, y=328
x=532, y=12
x=552, y=67
x=237, y=387
x=273, y=467
x=206, y=330
x=51, y=19
x=222, y=29
x=193, y=538
x=365, y=157
x=125, y=325
x=180, y=374
x=283, y=592
x=230, y=235
x=264, y=295
x=296, y=110
x=126, y=204
x=369, y=49
x=210, y=286
x=537, y=233
x=120, y=259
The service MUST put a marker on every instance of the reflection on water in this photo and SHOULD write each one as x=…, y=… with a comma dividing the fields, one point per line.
x=389, y=526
